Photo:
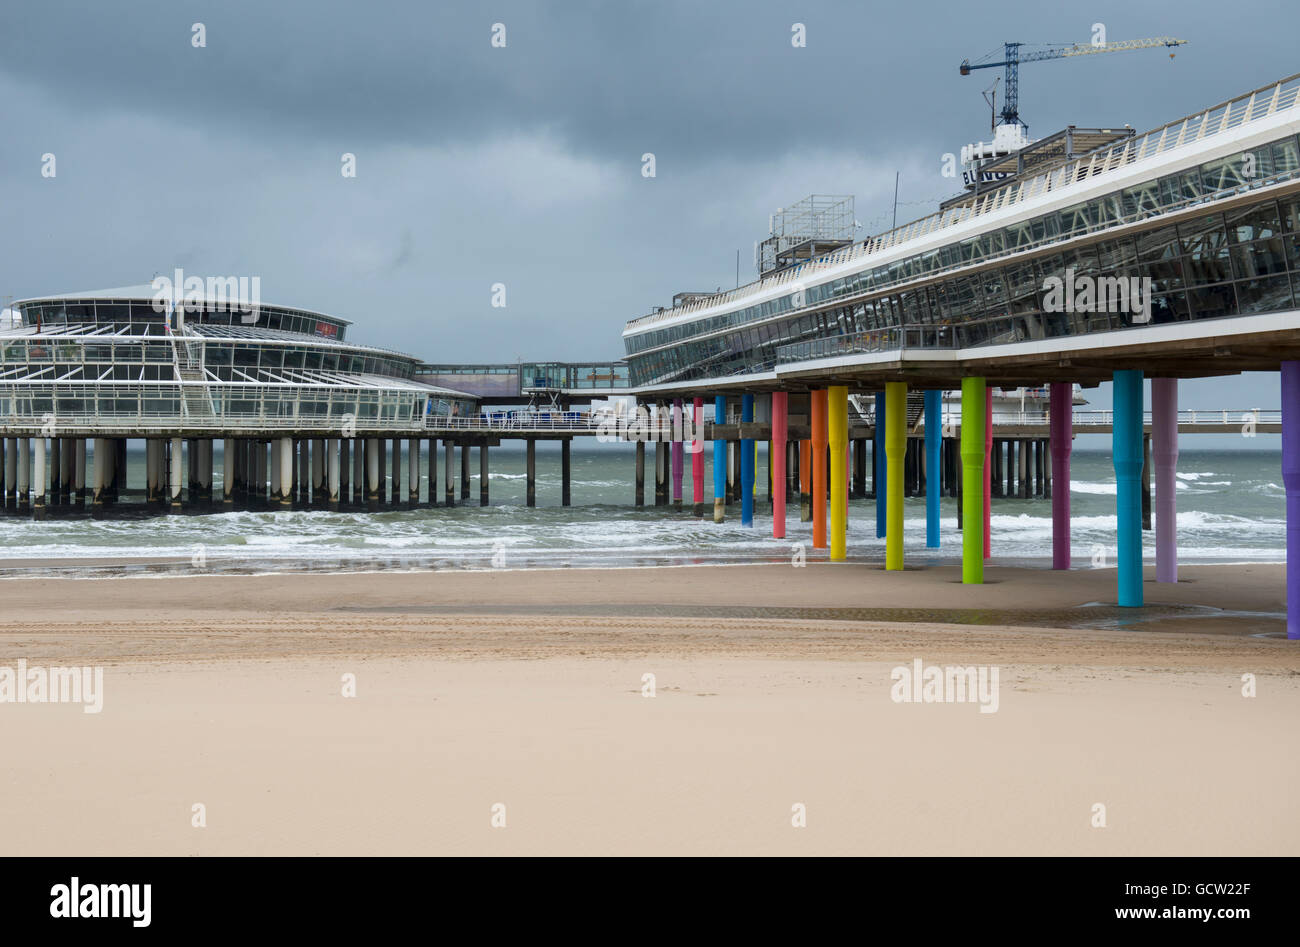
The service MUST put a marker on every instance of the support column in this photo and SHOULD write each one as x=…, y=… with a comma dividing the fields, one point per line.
x=820, y=436
x=881, y=467
x=746, y=463
x=39, y=478
x=1060, y=425
x=318, y=489
x=566, y=470
x=678, y=453
x=205, y=473
x=345, y=468
x=99, y=471
x=24, y=474
x=396, y=494
x=302, y=486
x=152, y=467
x=413, y=471
x=433, y=472
x=1127, y=455
x=56, y=467
x=697, y=456
x=720, y=466
x=532, y=471
x=972, y=480
x=79, y=471
x=374, y=447
x=933, y=465
x=805, y=481
x=895, y=451
x=483, y=479
x=837, y=424
x=174, y=497
x=988, y=471
x=640, y=473
x=780, y=414
x=448, y=458
x=1146, y=481
x=119, y=469
x=228, y=472
x=661, y=473
x=284, y=447
x=1291, y=482
x=334, y=467
x=1164, y=450
x=11, y=472
x=464, y=470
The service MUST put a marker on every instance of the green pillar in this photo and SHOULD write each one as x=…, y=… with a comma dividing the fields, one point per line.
x=972, y=480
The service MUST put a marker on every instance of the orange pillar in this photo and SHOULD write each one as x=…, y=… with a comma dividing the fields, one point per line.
x=820, y=436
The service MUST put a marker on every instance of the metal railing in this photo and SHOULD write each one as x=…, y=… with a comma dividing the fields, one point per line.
x=873, y=340
x=1249, y=107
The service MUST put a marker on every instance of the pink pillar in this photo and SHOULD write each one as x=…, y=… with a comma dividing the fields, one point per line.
x=1164, y=455
x=677, y=452
x=988, y=471
x=776, y=460
x=1061, y=429
x=697, y=456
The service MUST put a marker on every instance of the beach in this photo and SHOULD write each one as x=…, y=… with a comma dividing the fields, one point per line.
x=773, y=690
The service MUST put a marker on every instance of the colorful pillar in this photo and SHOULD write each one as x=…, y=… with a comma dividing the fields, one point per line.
x=837, y=435
x=895, y=452
x=988, y=472
x=719, y=461
x=780, y=405
x=1127, y=456
x=972, y=480
x=747, y=448
x=882, y=468
x=1164, y=453
x=697, y=455
x=677, y=453
x=819, y=437
x=933, y=465
x=1061, y=431
x=1291, y=481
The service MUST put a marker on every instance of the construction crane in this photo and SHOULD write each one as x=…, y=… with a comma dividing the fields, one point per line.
x=1013, y=57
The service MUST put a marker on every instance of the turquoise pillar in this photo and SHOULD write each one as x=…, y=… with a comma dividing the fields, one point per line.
x=933, y=466
x=746, y=463
x=1127, y=455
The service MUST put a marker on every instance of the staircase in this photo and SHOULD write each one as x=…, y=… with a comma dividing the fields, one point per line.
x=866, y=408
x=196, y=400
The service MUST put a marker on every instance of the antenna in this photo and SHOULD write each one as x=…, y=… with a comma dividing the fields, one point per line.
x=991, y=97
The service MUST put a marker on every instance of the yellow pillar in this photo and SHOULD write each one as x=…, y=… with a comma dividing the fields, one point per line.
x=895, y=453
x=837, y=410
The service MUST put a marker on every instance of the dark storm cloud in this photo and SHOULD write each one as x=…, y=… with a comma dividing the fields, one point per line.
x=608, y=78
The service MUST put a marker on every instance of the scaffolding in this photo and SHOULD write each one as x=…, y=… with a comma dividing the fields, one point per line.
x=805, y=230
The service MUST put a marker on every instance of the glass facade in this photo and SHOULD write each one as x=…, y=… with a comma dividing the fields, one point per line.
x=1214, y=265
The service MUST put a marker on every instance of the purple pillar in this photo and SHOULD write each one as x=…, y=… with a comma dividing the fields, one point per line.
x=1060, y=429
x=677, y=452
x=1291, y=479
x=1164, y=455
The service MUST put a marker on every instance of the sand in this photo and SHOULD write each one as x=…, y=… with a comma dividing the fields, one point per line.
x=473, y=689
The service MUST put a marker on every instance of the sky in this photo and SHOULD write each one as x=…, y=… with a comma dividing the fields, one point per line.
x=522, y=164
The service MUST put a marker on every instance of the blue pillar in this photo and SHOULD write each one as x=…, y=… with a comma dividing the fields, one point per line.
x=882, y=468
x=719, y=461
x=1127, y=454
x=747, y=464
x=933, y=466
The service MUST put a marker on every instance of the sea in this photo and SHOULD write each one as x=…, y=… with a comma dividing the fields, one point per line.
x=1231, y=508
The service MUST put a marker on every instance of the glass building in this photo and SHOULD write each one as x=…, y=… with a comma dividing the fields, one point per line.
x=114, y=362
x=1203, y=213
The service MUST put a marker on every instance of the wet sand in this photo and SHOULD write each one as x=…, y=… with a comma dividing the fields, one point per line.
x=772, y=689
